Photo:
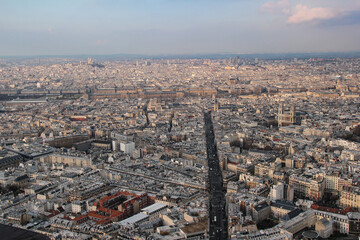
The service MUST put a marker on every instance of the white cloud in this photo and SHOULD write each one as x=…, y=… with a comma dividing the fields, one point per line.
x=302, y=13
x=281, y=6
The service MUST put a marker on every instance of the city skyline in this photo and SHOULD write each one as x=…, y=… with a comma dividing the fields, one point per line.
x=178, y=27
x=228, y=147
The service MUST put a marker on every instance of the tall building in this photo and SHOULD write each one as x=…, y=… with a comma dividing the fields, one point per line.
x=127, y=147
x=290, y=117
x=277, y=192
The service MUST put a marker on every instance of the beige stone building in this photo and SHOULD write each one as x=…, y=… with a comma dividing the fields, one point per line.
x=350, y=197
x=291, y=117
x=72, y=161
x=312, y=188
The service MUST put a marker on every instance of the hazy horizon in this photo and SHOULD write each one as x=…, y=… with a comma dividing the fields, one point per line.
x=200, y=55
x=178, y=27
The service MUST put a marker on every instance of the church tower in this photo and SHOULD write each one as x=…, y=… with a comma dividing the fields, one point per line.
x=292, y=114
x=216, y=106
x=281, y=109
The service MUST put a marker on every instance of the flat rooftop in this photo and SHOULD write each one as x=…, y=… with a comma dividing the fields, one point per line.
x=154, y=207
x=134, y=219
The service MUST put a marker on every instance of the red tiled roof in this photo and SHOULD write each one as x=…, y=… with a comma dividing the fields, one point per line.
x=80, y=217
x=95, y=215
x=106, y=214
x=332, y=210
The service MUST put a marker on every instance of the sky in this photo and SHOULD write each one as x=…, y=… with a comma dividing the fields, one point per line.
x=167, y=27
